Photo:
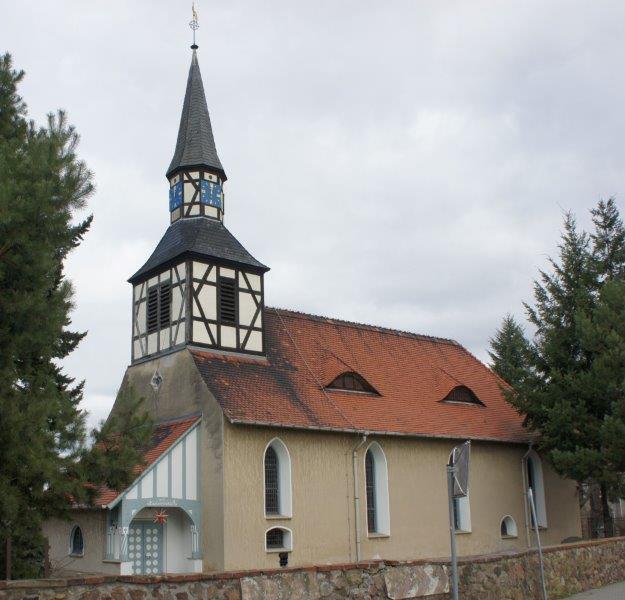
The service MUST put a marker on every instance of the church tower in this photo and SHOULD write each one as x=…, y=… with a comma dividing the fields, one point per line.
x=200, y=287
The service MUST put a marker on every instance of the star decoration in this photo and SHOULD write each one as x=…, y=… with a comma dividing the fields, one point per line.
x=160, y=517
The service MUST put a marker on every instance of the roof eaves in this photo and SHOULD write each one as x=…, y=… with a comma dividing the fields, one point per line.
x=236, y=421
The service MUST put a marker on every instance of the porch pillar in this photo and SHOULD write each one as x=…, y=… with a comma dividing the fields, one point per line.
x=123, y=543
x=195, y=542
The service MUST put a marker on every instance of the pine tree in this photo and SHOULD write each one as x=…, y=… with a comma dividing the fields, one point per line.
x=572, y=389
x=509, y=352
x=608, y=241
x=43, y=456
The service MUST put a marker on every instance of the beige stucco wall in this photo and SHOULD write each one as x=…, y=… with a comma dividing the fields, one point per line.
x=323, y=505
x=93, y=525
x=233, y=520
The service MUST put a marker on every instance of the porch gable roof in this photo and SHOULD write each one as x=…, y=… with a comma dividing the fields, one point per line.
x=165, y=436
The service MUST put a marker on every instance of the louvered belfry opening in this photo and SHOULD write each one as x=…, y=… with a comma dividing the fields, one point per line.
x=227, y=301
x=370, y=486
x=164, y=309
x=152, y=309
x=275, y=539
x=159, y=307
x=272, y=482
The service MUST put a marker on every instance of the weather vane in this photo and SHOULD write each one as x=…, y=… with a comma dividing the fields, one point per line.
x=194, y=24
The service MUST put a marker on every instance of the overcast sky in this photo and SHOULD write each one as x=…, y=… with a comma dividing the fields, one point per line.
x=403, y=163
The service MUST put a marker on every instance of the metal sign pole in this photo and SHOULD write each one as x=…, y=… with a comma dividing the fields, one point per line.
x=530, y=496
x=451, y=472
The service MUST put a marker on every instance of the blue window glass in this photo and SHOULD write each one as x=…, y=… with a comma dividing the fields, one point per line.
x=211, y=193
x=175, y=196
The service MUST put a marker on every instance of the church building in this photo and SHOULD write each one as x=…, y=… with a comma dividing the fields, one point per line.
x=285, y=438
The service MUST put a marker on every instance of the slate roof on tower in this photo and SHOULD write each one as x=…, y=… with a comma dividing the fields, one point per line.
x=195, y=146
x=199, y=238
x=412, y=373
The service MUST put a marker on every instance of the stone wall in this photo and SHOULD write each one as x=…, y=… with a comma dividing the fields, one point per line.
x=569, y=569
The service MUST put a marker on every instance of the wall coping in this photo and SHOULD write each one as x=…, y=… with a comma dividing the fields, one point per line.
x=225, y=575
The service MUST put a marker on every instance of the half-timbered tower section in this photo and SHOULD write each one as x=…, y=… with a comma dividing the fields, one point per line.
x=200, y=287
x=196, y=177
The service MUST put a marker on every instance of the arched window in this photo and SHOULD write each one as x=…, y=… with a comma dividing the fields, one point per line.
x=461, y=394
x=462, y=510
x=508, y=527
x=76, y=543
x=278, y=539
x=272, y=482
x=534, y=470
x=370, y=486
x=376, y=486
x=352, y=382
x=277, y=476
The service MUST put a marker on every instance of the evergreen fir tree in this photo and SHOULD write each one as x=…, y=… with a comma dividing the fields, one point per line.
x=608, y=241
x=509, y=352
x=43, y=457
x=572, y=389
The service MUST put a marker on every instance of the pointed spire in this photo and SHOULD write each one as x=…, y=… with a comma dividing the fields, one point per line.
x=195, y=146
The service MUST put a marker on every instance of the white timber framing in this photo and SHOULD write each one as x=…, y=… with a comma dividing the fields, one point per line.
x=144, y=342
x=208, y=327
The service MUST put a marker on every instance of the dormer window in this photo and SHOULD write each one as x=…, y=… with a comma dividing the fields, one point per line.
x=352, y=382
x=462, y=395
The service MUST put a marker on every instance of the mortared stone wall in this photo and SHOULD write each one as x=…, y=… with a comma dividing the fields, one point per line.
x=569, y=569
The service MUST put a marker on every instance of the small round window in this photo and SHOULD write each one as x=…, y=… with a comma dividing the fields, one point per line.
x=76, y=543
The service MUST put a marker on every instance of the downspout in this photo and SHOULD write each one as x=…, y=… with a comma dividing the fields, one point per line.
x=360, y=444
x=524, y=483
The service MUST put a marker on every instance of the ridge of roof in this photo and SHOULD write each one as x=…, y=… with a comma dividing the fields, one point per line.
x=364, y=326
x=180, y=419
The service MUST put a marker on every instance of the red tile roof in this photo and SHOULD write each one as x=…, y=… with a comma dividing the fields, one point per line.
x=165, y=434
x=412, y=373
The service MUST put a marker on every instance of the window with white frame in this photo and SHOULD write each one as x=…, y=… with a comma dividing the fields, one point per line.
x=76, y=542
x=462, y=511
x=277, y=479
x=376, y=487
x=508, y=527
x=278, y=539
x=535, y=481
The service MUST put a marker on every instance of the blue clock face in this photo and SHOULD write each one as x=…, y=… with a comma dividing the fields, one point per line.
x=175, y=196
x=210, y=193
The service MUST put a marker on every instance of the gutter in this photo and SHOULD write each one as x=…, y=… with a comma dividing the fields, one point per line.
x=360, y=444
x=415, y=435
x=523, y=482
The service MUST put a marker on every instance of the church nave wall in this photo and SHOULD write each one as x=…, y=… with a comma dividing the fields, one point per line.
x=322, y=523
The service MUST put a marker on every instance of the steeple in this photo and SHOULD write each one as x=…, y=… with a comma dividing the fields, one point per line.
x=200, y=287
x=195, y=147
x=196, y=176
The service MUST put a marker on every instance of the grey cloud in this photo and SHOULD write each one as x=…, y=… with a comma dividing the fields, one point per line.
x=401, y=163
